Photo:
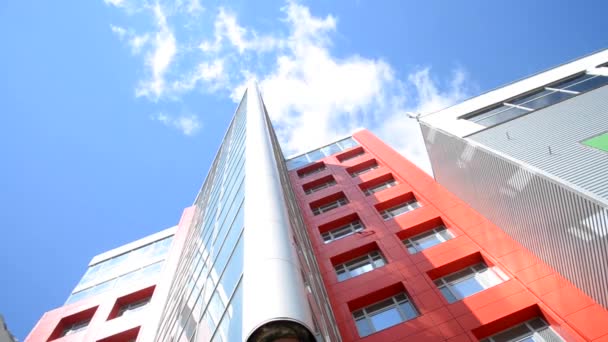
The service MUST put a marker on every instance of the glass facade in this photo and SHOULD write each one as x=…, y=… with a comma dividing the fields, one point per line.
x=427, y=239
x=469, y=281
x=137, y=265
x=320, y=153
x=534, y=330
x=384, y=314
x=208, y=298
x=330, y=206
x=205, y=300
x=360, y=265
x=551, y=94
x=400, y=209
x=343, y=231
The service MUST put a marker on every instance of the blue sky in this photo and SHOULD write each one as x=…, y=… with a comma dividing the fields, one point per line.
x=112, y=110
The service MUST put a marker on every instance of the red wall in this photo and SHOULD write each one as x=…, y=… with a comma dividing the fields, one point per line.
x=103, y=327
x=533, y=288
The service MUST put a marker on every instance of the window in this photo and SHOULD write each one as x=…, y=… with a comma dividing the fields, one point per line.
x=133, y=307
x=388, y=184
x=317, y=169
x=73, y=328
x=599, y=141
x=400, y=209
x=330, y=206
x=534, y=330
x=469, y=281
x=384, y=314
x=320, y=153
x=325, y=185
x=360, y=265
x=343, y=231
x=427, y=239
x=364, y=170
x=541, y=98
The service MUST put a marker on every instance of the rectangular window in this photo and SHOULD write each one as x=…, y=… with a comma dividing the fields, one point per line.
x=320, y=153
x=427, y=239
x=343, y=231
x=599, y=141
x=388, y=184
x=330, y=206
x=321, y=186
x=534, y=330
x=360, y=265
x=362, y=171
x=546, y=96
x=384, y=314
x=133, y=307
x=75, y=327
x=469, y=281
x=400, y=209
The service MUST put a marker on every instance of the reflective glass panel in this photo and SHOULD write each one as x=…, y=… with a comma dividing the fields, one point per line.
x=386, y=319
x=501, y=117
x=548, y=98
x=589, y=84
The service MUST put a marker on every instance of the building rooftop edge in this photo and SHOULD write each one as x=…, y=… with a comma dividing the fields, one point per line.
x=292, y=156
x=422, y=116
x=133, y=244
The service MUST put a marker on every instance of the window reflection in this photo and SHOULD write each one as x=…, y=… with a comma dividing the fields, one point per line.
x=124, y=263
x=546, y=96
x=321, y=153
x=142, y=274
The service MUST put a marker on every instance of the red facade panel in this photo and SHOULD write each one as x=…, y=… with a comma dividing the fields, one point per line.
x=101, y=310
x=530, y=288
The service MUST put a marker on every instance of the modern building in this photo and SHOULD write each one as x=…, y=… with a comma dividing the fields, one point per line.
x=112, y=300
x=348, y=242
x=532, y=157
x=5, y=334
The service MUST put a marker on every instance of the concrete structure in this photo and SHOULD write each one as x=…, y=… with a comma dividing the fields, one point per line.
x=532, y=157
x=347, y=242
x=5, y=334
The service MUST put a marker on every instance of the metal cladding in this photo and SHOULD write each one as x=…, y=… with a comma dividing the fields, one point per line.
x=562, y=226
x=273, y=288
x=550, y=140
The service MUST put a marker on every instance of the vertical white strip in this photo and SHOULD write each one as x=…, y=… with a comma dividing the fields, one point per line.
x=273, y=288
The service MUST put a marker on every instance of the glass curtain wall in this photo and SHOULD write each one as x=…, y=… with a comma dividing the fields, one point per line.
x=204, y=302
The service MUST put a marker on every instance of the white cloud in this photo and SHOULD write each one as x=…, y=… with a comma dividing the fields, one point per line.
x=117, y=3
x=211, y=72
x=159, y=60
x=226, y=27
x=119, y=31
x=187, y=124
x=312, y=96
x=194, y=7
x=137, y=42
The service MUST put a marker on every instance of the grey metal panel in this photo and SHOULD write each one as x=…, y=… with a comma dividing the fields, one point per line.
x=565, y=228
x=549, y=139
x=273, y=287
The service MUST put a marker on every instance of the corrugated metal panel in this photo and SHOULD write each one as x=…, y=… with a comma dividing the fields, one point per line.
x=562, y=227
x=560, y=128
